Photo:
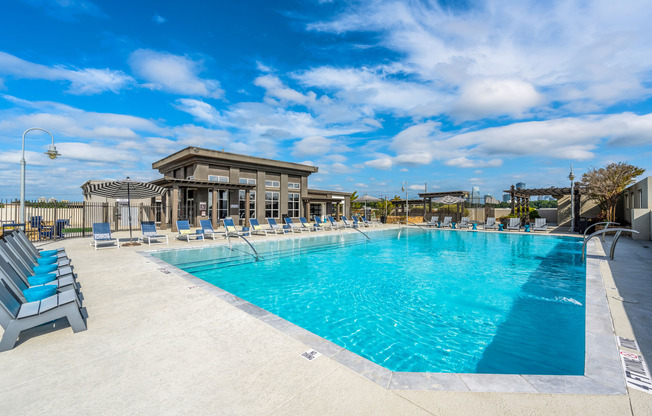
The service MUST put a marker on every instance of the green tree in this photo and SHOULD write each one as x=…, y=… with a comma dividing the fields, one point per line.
x=605, y=185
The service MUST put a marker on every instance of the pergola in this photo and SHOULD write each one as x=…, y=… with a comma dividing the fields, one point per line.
x=427, y=198
x=521, y=199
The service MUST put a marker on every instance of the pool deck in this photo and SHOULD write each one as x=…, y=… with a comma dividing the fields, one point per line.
x=160, y=343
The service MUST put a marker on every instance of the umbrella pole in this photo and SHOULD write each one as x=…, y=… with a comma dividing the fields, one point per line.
x=129, y=210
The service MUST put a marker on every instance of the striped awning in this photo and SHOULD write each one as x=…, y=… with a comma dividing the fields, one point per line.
x=448, y=199
x=124, y=189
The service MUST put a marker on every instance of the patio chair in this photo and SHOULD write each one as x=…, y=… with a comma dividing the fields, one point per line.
x=102, y=236
x=28, y=259
x=514, y=224
x=16, y=283
x=29, y=268
x=16, y=316
x=256, y=228
x=464, y=222
x=27, y=271
x=207, y=229
x=230, y=227
x=295, y=228
x=334, y=223
x=307, y=225
x=448, y=222
x=357, y=222
x=20, y=235
x=148, y=229
x=348, y=224
x=540, y=225
x=490, y=223
x=28, y=249
x=185, y=233
x=434, y=221
x=274, y=226
x=323, y=224
x=369, y=223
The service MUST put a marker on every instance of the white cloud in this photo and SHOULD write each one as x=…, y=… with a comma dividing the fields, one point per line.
x=173, y=73
x=199, y=109
x=318, y=146
x=480, y=98
x=417, y=187
x=83, y=81
x=158, y=19
x=465, y=162
x=383, y=163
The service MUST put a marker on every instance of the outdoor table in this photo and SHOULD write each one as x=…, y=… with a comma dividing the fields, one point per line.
x=475, y=226
x=501, y=227
x=527, y=228
x=453, y=225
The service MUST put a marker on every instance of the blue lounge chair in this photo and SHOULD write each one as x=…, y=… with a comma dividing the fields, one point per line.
x=334, y=223
x=230, y=227
x=357, y=222
x=17, y=316
x=207, y=229
x=185, y=233
x=102, y=236
x=307, y=225
x=148, y=229
x=20, y=235
x=347, y=224
x=16, y=283
x=369, y=223
x=256, y=228
x=323, y=224
x=276, y=227
x=28, y=271
x=295, y=228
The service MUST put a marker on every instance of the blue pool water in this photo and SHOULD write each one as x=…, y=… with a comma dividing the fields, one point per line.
x=419, y=301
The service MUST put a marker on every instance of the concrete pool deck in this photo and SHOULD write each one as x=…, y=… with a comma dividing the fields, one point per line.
x=157, y=343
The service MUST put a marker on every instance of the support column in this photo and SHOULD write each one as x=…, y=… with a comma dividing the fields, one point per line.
x=247, y=208
x=214, y=219
x=175, y=207
x=337, y=211
x=512, y=197
x=527, y=210
x=165, y=220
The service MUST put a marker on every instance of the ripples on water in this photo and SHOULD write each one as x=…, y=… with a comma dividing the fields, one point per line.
x=437, y=301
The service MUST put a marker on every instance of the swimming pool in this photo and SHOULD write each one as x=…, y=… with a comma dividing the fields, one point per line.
x=419, y=301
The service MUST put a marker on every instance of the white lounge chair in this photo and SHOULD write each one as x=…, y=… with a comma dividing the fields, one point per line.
x=514, y=224
x=540, y=225
x=434, y=221
x=490, y=223
x=448, y=222
x=464, y=222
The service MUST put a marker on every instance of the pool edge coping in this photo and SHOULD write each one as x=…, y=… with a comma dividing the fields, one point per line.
x=603, y=373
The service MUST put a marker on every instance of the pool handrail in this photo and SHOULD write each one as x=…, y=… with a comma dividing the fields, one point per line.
x=598, y=223
x=613, y=243
x=228, y=238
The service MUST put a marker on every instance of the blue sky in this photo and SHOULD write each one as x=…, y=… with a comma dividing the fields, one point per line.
x=454, y=94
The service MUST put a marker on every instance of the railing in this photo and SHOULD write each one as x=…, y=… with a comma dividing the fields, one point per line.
x=599, y=223
x=361, y=232
x=231, y=234
x=618, y=231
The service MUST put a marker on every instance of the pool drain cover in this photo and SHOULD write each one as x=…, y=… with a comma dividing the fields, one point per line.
x=310, y=355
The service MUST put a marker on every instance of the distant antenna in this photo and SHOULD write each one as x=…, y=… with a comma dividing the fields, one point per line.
x=426, y=187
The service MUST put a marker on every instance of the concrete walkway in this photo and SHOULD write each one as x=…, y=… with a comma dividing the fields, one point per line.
x=157, y=345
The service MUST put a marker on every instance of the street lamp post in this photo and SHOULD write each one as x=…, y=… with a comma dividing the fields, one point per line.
x=51, y=152
x=407, y=205
x=572, y=218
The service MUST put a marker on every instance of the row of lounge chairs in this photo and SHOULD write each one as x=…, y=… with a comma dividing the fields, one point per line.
x=36, y=287
x=102, y=231
x=490, y=224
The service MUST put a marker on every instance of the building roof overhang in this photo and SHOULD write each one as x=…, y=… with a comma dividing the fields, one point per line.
x=167, y=182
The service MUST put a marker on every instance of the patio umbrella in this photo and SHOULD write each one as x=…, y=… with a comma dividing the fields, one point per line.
x=124, y=189
x=366, y=198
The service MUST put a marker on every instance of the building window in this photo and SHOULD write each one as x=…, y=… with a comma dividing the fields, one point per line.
x=222, y=204
x=252, y=204
x=216, y=178
x=315, y=210
x=293, y=204
x=271, y=205
x=293, y=185
x=248, y=181
x=272, y=184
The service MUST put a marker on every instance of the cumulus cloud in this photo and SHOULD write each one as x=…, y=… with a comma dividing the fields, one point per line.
x=318, y=146
x=383, y=163
x=158, y=19
x=198, y=109
x=173, y=73
x=480, y=98
x=83, y=81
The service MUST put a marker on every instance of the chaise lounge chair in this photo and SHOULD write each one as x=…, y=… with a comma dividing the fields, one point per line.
x=334, y=223
x=276, y=227
x=16, y=316
x=448, y=222
x=540, y=225
x=357, y=223
x=207, y=229
x=490, y=223
x=307, y=225
x=185, y=233
x=323, y=224
x=347, y=224
x=464, y=222
x=28, y=268
x=148, y=229
x=295, y=228
x=369, y=223
x=256, y=228
x=102, y=236
x=434, y=221
x=230, y=227
x=514, y=224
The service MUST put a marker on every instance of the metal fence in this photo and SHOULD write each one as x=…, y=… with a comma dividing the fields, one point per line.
x=56, y=220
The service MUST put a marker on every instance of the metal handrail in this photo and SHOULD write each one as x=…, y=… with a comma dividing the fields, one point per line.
x=231, y=234
x=613, y=244
x=598, y=223
x=414, y=223
x=361, y=232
